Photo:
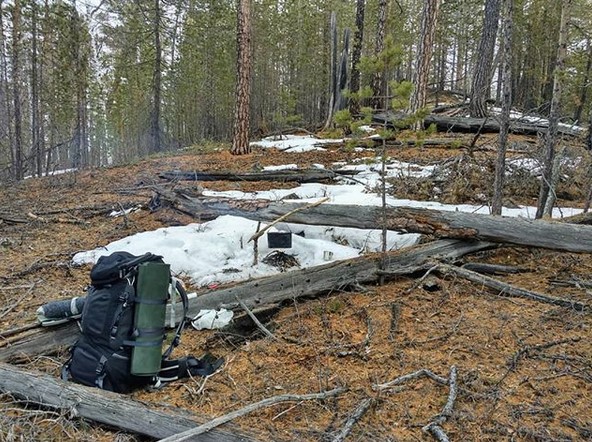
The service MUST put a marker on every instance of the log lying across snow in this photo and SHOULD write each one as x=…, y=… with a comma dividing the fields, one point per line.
x=446, y=123
x=104, y=407
x=281, y=287
x=443, y=224
x=300, y=175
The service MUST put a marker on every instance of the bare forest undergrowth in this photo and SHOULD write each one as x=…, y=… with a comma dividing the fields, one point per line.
x=524, y=369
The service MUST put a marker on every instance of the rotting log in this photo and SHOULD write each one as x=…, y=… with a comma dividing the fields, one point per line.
x=308, y=282
x=299, y=175
x=439, y=223
x=108, y=408
x=445, y=123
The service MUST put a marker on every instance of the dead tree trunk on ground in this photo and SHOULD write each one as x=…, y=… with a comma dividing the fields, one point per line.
x=281, y=287
x=443, y=224
x=107, y=408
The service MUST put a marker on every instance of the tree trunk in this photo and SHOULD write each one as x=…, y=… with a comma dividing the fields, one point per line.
x=342, y=74
x=5, y=108
x=554, y=113
x=114, y=410
x=378, y=91
x=240, y=140
x=483, y=67
x=423, y=57
x=16, y=95
x=500, y=163
x=589, y=134
x=35, y=120
x=441, y=223
x=332, y=69
x=299, y=175
x=155, y=131
x=354, y=85
x=585, y=85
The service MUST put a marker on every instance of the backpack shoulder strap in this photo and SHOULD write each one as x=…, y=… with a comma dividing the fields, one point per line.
x=176, y=339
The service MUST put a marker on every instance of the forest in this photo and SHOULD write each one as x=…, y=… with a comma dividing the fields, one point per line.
x=424, y=167
x=92, y=83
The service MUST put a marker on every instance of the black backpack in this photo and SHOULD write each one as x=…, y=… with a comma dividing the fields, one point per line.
x=102, y=356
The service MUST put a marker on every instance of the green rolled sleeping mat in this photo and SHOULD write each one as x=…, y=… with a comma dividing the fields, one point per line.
x=151, y=298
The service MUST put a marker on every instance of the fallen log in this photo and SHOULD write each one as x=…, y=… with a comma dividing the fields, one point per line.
x=108, y=408
x=281, y=287
x=492, y=269
x=299, y=175
x=440, y=223
x=446, y=123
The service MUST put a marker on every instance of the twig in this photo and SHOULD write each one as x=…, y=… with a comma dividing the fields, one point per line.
x=407, y=377
x=434, y=426
x=510, y=291
x=526, y=351
x=476, y=137
x=186, y=435
x=256, y=245
x=258, y=323
x=17, y=287
x=422, y=279
x=286, y=215
x=395, y=315
x=15, y=304
x=17, y=330
x=353, y=419
x=437, y=431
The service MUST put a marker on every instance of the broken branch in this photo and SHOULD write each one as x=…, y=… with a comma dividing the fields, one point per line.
x=186, y=435
x=286, y=215
x=353, y=419
x=507, y=290
x=261, y=327
x=434, y=427
x=408, y=377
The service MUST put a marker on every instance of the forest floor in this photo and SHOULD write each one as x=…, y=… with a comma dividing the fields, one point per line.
x=524, y=368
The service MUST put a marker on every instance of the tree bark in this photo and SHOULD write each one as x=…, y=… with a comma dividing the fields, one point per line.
x=342, y=74
x=5, y=108
x=16, y=94
x=554, y=113
x=423, y=57
x=378, y=91
x=35, y=120
x=585, y=83
x=483, y=67
x=301, y=175
x=155, y=130
x=107, y=408
x=354, y=85
x=461, y=124
x=500, y=162
x=440, y=223
x=332, y=69
x=240, y=140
